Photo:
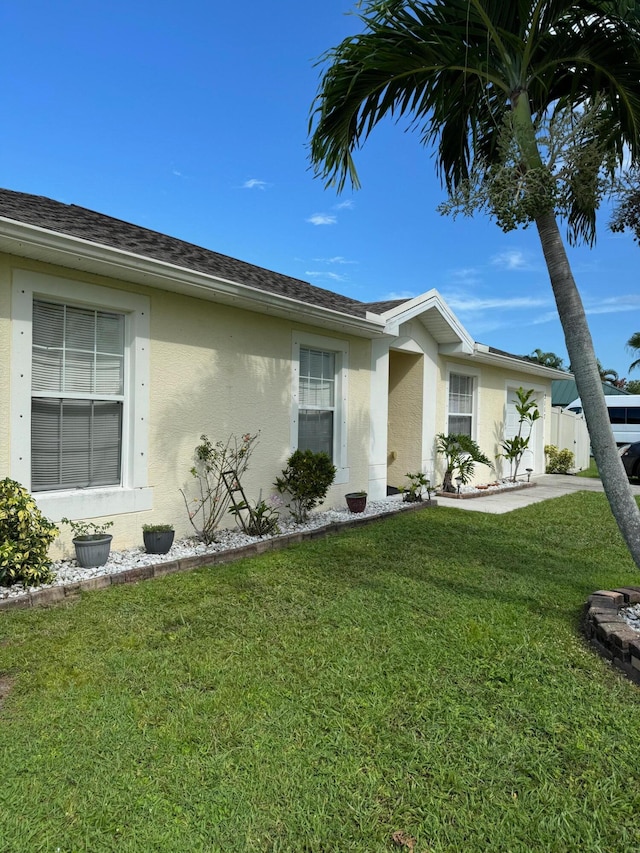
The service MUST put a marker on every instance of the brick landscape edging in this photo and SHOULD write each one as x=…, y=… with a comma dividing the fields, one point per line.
x=484, y=493
x=609, y=633
x=55, y=594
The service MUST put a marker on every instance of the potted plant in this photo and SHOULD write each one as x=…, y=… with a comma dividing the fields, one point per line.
x=356, y=501
x=91, y=541
x=158, y=538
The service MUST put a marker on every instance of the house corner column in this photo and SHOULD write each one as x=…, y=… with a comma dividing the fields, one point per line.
x=379, y=408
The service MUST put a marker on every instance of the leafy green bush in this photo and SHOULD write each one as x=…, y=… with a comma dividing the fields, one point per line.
x=306, y=479
x=558, y=461
x=25, y=536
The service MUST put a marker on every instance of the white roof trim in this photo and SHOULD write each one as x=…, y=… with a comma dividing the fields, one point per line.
x=482, y=354
x=35, y=242
x=419, y=307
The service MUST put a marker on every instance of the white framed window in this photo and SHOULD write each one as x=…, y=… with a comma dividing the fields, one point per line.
x=77, y=387
x=461, y=403
x=79, y=407
x=319, y=394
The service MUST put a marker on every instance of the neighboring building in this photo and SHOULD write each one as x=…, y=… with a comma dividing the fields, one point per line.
x=565, y=391
x=121, y=346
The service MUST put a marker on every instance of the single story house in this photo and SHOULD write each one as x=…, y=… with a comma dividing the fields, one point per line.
x=121, y=346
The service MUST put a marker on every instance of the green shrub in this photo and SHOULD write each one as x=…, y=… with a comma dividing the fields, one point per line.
x=25, y=536
x=306, y=479
x=558, y=461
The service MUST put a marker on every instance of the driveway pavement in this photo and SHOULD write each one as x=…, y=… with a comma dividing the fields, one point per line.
x=547, y=486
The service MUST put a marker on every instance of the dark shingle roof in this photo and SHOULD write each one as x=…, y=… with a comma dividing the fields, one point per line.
x=385, y=305
x=106, y=231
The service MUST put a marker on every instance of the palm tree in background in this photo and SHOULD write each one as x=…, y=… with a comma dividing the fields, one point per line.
x=529, y=105
x=633, y=345
x=548, y=359
x=607, y=374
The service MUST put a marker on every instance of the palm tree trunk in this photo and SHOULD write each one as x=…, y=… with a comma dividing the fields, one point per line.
x=584, y=366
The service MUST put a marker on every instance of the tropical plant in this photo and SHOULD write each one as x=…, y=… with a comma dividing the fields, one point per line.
x=306, y=480
x=25, y=536
x=607, y=374
x=626, y=216
x=633, y=386
x=418, y=483
x=262, y=517
x=532, y=106
x=633, y=345
x=212, y=461
x=461, y=454
x=513, y=448
x=548, y=359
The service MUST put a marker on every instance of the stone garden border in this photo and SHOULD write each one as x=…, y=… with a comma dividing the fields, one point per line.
x=609, y=633
x=63, y=592
x=484, y=492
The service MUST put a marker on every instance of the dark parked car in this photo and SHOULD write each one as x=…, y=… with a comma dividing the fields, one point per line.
x=630, y=455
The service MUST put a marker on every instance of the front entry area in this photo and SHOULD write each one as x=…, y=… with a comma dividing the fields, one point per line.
x=404, y=426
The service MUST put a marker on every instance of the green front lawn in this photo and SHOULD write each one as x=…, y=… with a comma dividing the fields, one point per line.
x=423, y=675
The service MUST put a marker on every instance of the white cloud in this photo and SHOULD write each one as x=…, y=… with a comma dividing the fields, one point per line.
x=466, y=276
x=177, y=173
x=333, y=276
x=462, y=303
x=347, y=204
x=322, y=219
x=614, y=305
x=254, y=184
x=511, y=260
x=337, y=260
x=397, y=294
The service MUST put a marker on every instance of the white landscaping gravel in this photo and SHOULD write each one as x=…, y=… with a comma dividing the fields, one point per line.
x=631, y=616
x=68, y=571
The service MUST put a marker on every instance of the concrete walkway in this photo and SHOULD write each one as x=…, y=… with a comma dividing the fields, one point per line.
x=547, y=486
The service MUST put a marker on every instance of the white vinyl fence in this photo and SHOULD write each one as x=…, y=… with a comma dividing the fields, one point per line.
x=569, y=430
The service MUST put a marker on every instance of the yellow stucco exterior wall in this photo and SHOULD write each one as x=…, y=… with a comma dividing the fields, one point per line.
x=5, y=354
x=404, y=437
x=214, y=370
x=490, y=401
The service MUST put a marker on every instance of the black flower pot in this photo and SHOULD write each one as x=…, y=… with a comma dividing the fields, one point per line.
x=158, y=541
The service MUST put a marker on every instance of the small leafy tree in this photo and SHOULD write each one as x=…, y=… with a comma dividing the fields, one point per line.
x=514, y=448
x=461, y=453
x=306, y=480
x=25, y=536
x=211, y=462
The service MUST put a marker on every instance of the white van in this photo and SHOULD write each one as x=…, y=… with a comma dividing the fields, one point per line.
x=624, y=414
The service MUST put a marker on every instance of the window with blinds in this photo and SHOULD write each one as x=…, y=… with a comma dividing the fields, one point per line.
x=77, y=397
x=460, y=404
x=316, y=400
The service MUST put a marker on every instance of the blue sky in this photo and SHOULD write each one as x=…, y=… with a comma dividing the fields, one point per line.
x=191, y=118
